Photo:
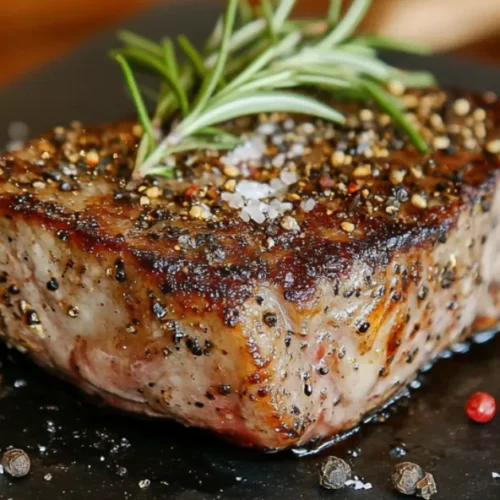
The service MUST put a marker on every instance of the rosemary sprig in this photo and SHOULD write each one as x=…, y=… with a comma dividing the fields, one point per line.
x=254, y=64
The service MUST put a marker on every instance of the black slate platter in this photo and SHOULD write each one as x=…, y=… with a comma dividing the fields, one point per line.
x=89, y=452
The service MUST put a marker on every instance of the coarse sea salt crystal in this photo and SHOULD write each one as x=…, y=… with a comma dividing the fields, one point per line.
x=279, y=160
x=277, y=208
x=273, y=213
x=282, y=206
x=288, y=178
x=234, y=200
x=206, y=212
x=308, y=205
x=252, y=149
x=253, y=190
x=255, y=210
x=245, y=216
x=296, y=150
x=358, y=485
x=306, y=128
x=277, y=184
x=290, y=224
x=267, y=128
x=277, y=140
x=495, y=475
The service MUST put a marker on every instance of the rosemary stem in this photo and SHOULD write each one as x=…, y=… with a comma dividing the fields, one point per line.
x=136, y=96
x=247, y=70
x=212, y=80
x=347, y=25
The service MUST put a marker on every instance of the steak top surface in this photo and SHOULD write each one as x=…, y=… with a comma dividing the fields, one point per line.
x=358, y=192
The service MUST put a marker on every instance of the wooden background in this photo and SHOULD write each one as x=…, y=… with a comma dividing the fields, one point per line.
x=35, y=31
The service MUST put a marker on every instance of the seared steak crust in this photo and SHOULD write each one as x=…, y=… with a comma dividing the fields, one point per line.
x=273, y=333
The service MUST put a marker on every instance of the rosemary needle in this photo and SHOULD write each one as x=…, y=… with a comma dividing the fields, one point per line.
x=254, y=64
x=136, y=96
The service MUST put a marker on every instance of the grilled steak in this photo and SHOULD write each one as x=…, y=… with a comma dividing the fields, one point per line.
x=275, y=294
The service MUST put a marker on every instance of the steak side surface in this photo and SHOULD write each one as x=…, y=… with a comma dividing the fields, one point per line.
x=272, y=321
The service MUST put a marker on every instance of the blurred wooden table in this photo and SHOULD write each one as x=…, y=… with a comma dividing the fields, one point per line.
x=35, y=31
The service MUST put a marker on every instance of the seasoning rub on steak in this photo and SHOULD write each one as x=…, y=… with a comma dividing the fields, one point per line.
x=274, y=294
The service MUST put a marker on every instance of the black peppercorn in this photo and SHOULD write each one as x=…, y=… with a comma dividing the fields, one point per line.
x=422, y=293
x=120, y=274
x=405, y=477
x=32, y=318
x=16, y=463
x=52, y=285
x=363, y=326
x=62, y=235
x=224, y=389
x=270, y=319
x=334, y=473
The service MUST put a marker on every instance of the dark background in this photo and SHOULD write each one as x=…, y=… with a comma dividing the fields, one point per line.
x=84, y=447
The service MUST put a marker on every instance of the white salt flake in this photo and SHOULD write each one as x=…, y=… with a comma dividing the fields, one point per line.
x=306, y=128
x=253, y=190
x=206, y=213
x=290, y=224
x=277, y=184
x=245, y=216
x=268, y=128
x=277, y=140
x=495, y=475
x=252, y=149
x=255, y=210
x=358, y=485
x=234, y=200
x=277, y=208
x=308, y=205
x=279, y=161
x=296, y=150
x=288, y=178
x=272, y=213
